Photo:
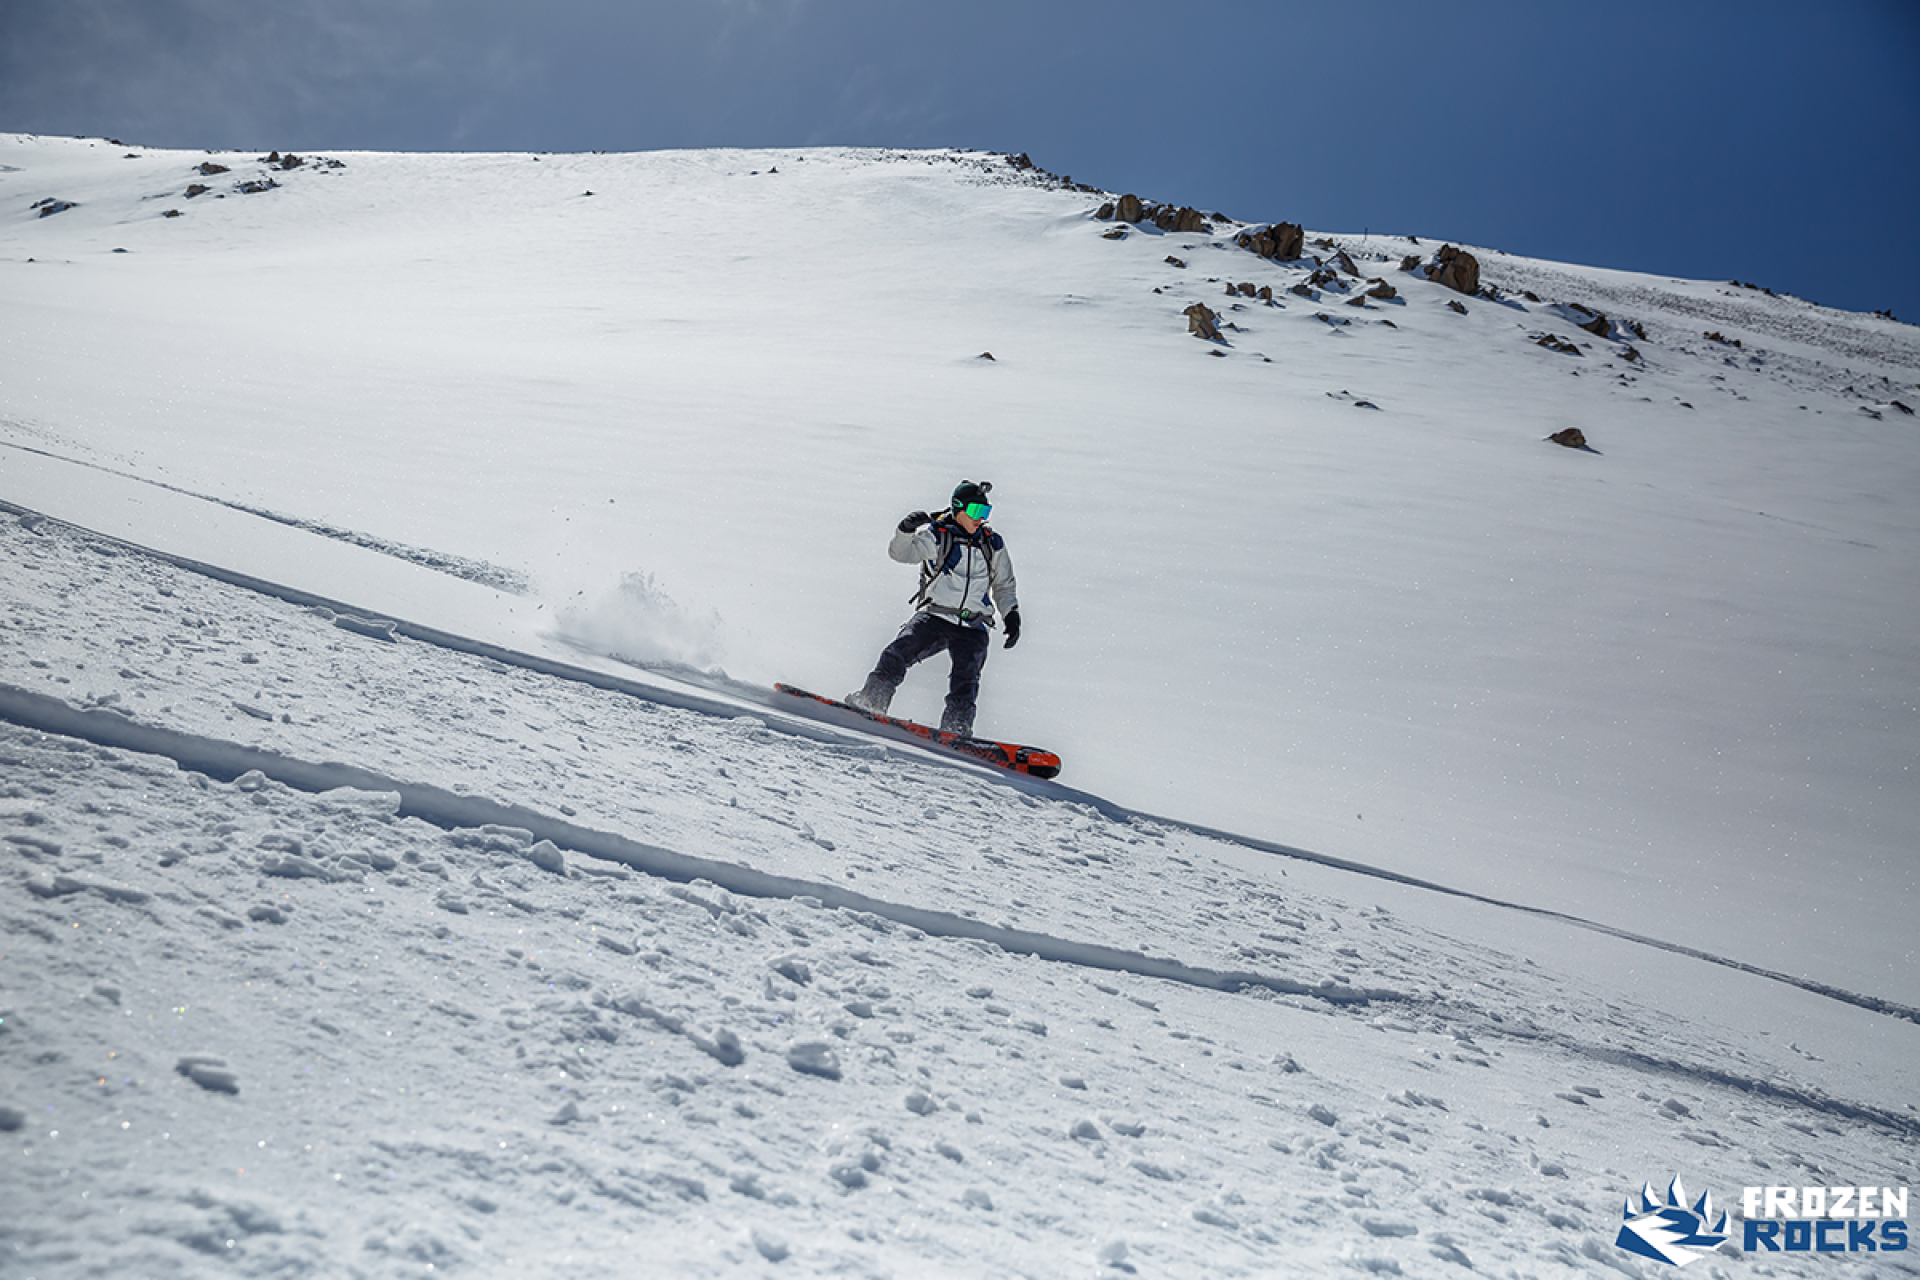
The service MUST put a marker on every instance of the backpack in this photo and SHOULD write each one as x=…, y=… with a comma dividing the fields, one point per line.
x=949, y=534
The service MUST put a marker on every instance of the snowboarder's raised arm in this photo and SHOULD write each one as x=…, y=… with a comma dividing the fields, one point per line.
x=914, y=541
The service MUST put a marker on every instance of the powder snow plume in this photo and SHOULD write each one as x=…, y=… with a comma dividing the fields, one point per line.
x=636, y=621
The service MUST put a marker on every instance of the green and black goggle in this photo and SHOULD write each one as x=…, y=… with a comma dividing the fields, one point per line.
x=974, y=510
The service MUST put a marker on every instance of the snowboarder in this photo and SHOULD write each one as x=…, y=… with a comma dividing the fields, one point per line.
x=965, y=572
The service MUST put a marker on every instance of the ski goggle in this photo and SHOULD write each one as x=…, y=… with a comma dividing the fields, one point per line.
x=976, y=510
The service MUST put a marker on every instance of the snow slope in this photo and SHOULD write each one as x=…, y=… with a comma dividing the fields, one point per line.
x=1666, y=687
x=1615, y=683
x=859, y=1010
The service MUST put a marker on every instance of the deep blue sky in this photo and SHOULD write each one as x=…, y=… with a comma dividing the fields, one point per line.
x=1763, y=140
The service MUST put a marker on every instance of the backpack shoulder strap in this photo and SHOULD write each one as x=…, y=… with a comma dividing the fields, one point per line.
x=985, y=538
x=930, y=569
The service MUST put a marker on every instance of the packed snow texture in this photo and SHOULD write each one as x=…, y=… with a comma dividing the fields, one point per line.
x=365, y=913
x=305, y=1033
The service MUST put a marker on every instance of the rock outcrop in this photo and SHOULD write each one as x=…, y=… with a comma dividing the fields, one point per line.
x=1457, y=269
x=1592, y=321
x=1203, y=322
x=1282, y=242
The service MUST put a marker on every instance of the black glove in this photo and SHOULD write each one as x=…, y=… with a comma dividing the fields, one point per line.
x=1013, y=628
x=914, y=521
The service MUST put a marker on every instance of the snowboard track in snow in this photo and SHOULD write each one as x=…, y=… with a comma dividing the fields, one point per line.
x=508, y=581
x=1702, y=1074
x=446, y=809
x=230, y=762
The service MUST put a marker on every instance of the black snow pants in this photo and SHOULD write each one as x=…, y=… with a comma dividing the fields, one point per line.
x=922, y=637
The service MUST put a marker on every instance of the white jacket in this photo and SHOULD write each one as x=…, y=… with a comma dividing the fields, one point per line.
x=975, y=575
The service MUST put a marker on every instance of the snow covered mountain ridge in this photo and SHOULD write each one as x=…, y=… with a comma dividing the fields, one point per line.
x=1874, y=337
x=460, y=908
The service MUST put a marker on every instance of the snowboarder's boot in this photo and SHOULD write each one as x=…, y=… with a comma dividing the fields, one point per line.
x=955, y=722
x=876, y=696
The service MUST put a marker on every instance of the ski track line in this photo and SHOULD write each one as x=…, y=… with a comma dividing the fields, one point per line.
x=1891, y=1121
x=228, y=761
x=479, y=573
x=450, y=811
x=801, y=726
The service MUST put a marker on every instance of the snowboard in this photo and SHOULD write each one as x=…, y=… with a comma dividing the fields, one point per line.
x=1005, y=755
